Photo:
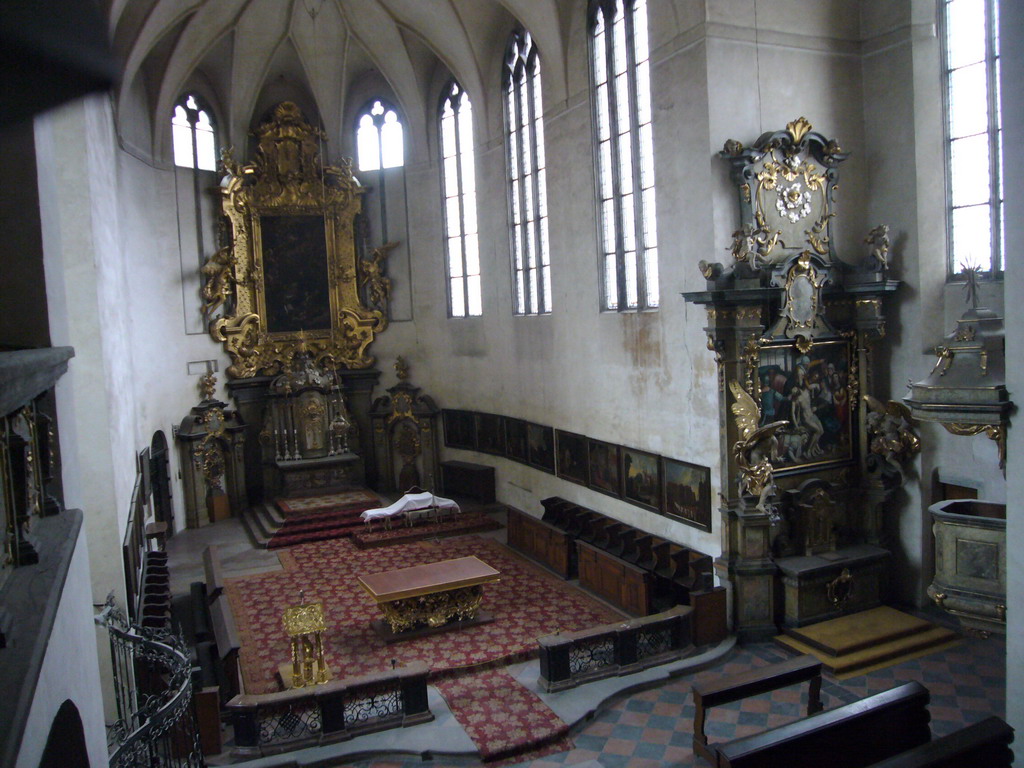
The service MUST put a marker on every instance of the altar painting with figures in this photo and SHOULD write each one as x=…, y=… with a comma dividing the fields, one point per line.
x=811, y=391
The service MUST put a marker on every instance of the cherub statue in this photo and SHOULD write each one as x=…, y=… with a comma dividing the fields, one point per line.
x=755, y=449
x=373, y=279
x=878, y=239
x=890, y=436
x=217, y=271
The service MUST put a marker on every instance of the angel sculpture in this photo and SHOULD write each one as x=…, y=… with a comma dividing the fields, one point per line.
x=889, y=433
x=756, y=448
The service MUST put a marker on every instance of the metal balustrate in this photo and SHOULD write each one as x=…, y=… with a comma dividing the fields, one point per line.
x=615, y=649
x=334, y=711
x=156, y=723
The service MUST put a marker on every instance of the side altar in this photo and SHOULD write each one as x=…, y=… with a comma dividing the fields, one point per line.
x=809, y=459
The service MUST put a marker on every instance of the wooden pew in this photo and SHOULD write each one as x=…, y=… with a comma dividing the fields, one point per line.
x=984, y=744
x=856, y=735
x=724, y=690
x=213, y=572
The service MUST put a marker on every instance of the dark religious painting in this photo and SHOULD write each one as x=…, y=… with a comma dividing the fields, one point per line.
x=811, y=391
x=295, y=282
x=516, y=440
x=641, y=484
x=604, y=467
x=571, y=456
x=490, y=433
x=541, y=442
x=459, y=429
x=686, y=493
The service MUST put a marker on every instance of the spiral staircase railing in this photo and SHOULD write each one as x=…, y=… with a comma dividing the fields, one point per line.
x=156, y=725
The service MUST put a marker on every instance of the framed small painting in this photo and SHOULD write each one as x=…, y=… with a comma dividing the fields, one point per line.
x=490, y=433
x=517, y=446
x=604, y=461
x=641, y=480
x=459, y=429
x=541, y=447
x=571, y=456
x=686, y=493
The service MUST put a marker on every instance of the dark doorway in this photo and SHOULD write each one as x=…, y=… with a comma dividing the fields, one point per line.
x=65, y=746
x=160, y=479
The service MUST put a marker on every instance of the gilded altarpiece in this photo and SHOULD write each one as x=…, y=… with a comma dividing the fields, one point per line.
x=296, y=284
x=792, y=328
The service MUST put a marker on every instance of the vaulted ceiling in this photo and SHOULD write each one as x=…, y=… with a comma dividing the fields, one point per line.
x=330, y=56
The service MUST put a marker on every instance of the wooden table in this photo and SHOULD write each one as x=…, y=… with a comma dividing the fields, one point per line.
x=436, y=596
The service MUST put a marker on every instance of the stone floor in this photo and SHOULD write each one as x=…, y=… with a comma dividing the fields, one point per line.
x=636, y=721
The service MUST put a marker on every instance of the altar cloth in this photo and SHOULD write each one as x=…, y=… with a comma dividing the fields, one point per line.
x=410, y=502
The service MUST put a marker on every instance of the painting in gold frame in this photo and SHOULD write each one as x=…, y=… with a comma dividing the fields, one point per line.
x=811, y=390
x=291, y=280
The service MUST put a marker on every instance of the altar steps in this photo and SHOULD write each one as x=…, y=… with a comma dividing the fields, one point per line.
x=861, y=642
x=261, y=522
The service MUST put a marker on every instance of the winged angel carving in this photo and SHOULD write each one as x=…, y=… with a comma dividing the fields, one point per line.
x=890, y=435
x=756, y=448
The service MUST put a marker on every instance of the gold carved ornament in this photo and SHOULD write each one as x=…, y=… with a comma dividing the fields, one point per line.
x=995, y=432
x=434, y=610
x=756, y=448
x=287, y=180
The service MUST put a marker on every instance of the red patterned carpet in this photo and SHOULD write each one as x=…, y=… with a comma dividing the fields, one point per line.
x=314, y=518
x=326, y=571
x=500, y=715
x=331, y=501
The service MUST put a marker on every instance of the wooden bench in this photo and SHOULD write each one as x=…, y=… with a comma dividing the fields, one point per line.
x=724, y=690
x=213, y=572
x=856, y=735
x=984, y=744
x=622, y=584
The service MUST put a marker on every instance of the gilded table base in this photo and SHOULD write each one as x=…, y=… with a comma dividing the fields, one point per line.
x=433, y=610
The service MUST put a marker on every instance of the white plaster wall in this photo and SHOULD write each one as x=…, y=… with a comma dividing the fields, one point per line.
x=84, y=403
x=69, y=670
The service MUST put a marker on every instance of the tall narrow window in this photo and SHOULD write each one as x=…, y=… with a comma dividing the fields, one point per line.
x=528, y=199
x=379, y=138
x=625, y=153
x=192, y=136
x=458, y=180
x=974, y=139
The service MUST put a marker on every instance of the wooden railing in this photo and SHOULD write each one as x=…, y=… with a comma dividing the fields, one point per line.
x=614, y=649
x=334, y=711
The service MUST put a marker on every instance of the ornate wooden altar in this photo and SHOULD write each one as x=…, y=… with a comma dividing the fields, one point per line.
x=792, y=329
x=296, y=277
x=436, y=595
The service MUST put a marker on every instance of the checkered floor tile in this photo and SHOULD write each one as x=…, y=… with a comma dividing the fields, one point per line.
x=655, y=727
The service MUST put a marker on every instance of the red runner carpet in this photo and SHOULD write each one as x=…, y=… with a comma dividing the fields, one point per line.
x=304, y=504
x=501, y=716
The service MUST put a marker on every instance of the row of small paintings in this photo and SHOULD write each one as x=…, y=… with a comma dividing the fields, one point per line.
x=677, y=489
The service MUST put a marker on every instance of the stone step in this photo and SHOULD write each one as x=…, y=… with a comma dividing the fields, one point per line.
x=878, y=655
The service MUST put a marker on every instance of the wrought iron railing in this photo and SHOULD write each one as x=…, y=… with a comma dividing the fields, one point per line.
x=156, y=725
x=614, y=649
x=334, y=711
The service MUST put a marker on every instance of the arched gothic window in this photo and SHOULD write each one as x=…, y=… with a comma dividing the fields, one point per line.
x=528, y=201
x=458, y=180
x=620, y=73
x=192, y=134
x=379, y=137
x=973, y=134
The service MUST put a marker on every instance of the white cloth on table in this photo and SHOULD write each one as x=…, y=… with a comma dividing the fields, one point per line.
x=410, y=502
